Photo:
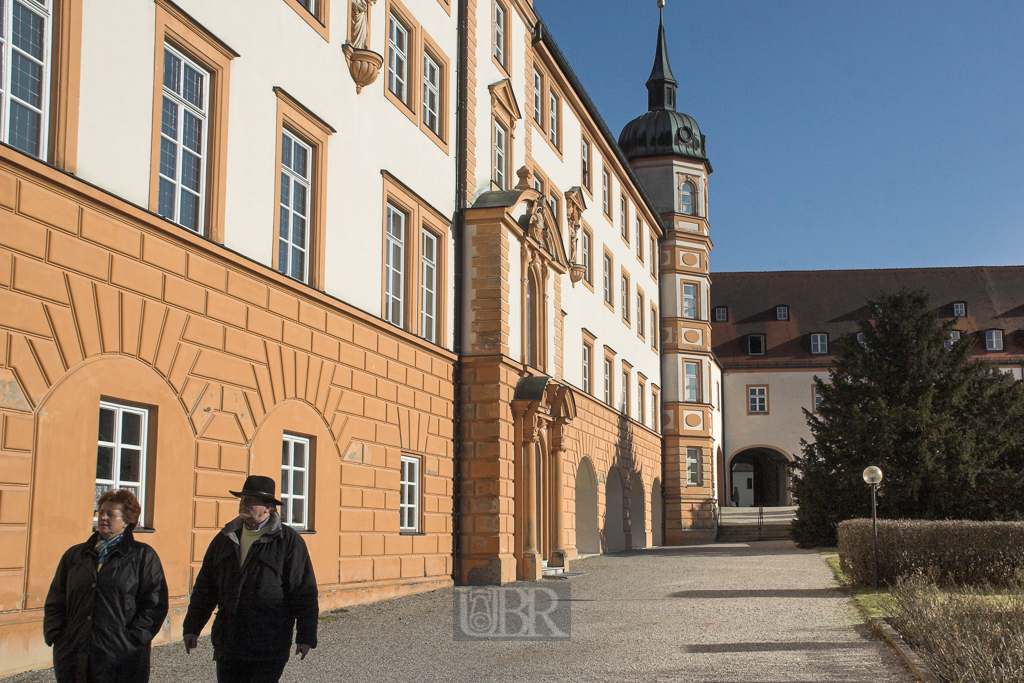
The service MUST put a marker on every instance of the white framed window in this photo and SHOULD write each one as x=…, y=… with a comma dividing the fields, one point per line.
x=394, y=267
x=692, y=466
x=691, y=382
x=653, y=251
x=293, y=231
x=959, y=309
x=295, y=456
x=585, y=162
x=819, y=343
x=625, y=298
x=757, y=399
x=606, y=192
x=553, y=204
x=816, y=396
x=640, y=314
x=409, y=495
x=499, y=33
x=861, y=341
x=398, y=58
x=954, y=337
x=993, y=340
x=686, y=202
x=640, y=241
x=25, y=48
x=431, y=94
x=608, y=381
x=624, y=217
x=585, y=240
x=782, y=312
x=553, y=114
x=500, y=155
x=428, y=287
x=755, y=345
x=690, y=300
x=624, y=401
x=183, y=140
x=309, y=5
x=586, y=367
x=654, y=327
x=640, y=391
x=538, y=97
x=121, y=451
x=607, y=280
x=721, y=314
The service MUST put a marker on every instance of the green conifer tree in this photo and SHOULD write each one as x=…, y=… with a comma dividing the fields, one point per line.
x=947, y=430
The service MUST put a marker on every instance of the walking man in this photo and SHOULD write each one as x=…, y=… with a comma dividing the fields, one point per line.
x=258, y=575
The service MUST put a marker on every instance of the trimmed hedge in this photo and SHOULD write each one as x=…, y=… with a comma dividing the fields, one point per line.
x=949, y=552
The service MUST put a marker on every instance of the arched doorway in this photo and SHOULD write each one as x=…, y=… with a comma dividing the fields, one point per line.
x=588, y=540
x=657, y=514
x=759, y=476
x=637, y=511
x=614, y=534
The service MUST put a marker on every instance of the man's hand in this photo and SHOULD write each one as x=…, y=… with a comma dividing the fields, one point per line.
x=192, y=642
x=300, y=649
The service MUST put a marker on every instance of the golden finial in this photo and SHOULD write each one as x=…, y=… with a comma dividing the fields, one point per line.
x=661, y=4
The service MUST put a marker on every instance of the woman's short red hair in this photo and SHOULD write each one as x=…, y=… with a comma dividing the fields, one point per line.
x=124, y=499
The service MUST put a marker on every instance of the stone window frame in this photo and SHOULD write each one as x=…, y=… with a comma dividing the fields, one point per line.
x=504, y=63
x=655, y=327
x=625, y=284
x=696, y=299
x=309, y=486
x=587, y=164
x=815, y=398
x=641, y=309
x=587, y=369
x=588, y=255
x=697, y=377
x=641, y=393
x=413, y=462
x=147, y=467
x=177, y=29
x=607, y=270
x=694, y=456
x=652, y=248
x=300, y=122
x=751, y=394
x=640, y=242
x=319, y=19
x=627, y=381
x=609, y=376
x=655, y=408
x=420, y=217
x=624, y=217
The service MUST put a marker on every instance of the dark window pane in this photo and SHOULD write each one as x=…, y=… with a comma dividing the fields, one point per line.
x=298, y=483
x=286, y=151
x=28, y=31
x=282, y=256
x=169, y=119
x=131, y=429
x=285, y=490
x=286, y=186
x=26, y=80
x=24, y=129
x=131, y=461
x=298, y=264
x=172, y=72
x=166, y=203
x=299, y=231
x=299, y=205
x=300, y=160
x=189, y=211
x=168, y=159
x=192, y=132
x=191, y=166
x=107, y=419
x=300, y=454
x=193, y=87
x=105, y=462
x=297, y=516
x=284, y=454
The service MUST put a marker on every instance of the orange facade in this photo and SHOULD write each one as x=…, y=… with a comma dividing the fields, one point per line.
x=101, y=301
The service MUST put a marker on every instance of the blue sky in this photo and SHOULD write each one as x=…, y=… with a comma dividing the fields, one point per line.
x=853, y=134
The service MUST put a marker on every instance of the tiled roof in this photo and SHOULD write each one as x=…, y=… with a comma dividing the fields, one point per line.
x=832, y=301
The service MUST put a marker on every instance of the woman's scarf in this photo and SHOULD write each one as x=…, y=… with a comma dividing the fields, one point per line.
x=104, y=548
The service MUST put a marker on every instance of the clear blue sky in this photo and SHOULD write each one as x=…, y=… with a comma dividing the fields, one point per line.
x=853, y=134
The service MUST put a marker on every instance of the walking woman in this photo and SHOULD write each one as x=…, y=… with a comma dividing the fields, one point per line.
x=107, y=601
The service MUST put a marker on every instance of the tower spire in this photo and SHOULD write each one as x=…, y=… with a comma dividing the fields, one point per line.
x=661, y=85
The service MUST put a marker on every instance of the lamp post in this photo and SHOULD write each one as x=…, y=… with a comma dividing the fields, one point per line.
x=873, y=476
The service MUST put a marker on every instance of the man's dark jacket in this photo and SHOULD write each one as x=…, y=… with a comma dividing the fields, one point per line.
x=105, y=619
x=259, y=603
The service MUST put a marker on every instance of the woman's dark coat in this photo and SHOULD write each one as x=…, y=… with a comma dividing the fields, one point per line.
x=105, y=619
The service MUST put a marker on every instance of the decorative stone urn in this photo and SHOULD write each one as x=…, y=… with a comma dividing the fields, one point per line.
x=364, y=65
x=576, y=272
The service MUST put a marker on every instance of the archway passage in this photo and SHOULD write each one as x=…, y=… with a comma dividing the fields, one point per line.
x=614, y=533
x=759, y=476
x=588, y=539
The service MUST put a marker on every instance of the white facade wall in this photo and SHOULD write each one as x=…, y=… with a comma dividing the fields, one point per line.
x=784, y=425
x=276, y=47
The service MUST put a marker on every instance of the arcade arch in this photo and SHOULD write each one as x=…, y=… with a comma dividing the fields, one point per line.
x=760, y=475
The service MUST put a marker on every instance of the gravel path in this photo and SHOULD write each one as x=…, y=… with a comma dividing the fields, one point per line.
x=728, y=613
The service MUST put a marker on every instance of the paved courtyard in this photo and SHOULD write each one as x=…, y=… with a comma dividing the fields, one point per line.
x=728, y=613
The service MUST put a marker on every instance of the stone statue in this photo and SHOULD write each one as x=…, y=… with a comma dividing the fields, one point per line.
x=360, y=25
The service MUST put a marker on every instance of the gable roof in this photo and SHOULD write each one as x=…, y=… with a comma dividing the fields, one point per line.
x=832, y=301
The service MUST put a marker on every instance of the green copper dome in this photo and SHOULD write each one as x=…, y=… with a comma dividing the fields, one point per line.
x=662, y=131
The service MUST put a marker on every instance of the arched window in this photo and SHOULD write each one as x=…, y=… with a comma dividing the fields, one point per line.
x=686, y=198
x=532, y=320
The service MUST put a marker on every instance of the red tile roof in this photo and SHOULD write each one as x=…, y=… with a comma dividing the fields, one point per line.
x=832, y=301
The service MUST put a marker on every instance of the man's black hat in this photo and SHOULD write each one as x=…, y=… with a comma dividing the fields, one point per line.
x=258, y=487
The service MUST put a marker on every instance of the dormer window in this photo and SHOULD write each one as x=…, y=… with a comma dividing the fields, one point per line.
x=993, y=340
x=686, y=195
x=860, y=340
x=782, y=312
x=954, y=337
x=960, y=309
x=755, y=345
x=819, y=344
x=721, y=314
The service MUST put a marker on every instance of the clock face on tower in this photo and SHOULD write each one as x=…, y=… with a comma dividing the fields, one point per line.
x=684, y=134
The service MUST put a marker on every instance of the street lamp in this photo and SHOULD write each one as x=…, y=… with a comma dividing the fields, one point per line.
x=873, y=476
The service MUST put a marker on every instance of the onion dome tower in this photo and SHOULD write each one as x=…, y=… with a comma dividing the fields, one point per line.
x=666, y=150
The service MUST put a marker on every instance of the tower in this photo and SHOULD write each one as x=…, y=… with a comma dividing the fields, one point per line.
x=666, y=150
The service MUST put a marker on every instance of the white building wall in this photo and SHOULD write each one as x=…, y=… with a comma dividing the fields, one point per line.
x=276, y=47
x=784, y=425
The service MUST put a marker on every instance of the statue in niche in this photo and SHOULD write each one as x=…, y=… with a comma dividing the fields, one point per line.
x=360, y=25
